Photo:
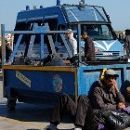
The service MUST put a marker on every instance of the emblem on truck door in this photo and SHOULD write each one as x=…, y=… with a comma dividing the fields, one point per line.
x=23, y=78
x=57, y=83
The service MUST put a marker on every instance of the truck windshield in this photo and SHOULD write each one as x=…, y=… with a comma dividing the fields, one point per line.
x=98, y=31
x=87, y=13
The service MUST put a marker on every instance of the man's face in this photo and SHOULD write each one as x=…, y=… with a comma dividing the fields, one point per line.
x=110, y=80
x=84, y=36
x=68, y=34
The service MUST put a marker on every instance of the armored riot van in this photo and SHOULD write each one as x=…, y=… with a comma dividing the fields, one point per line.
x=42, y=64
x=91, y=19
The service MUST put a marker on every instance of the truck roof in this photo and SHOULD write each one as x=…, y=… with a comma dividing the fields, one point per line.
x=40, y=14
x=66, y=13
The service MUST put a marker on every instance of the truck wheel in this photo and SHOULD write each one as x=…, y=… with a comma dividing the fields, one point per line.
x=11, y=103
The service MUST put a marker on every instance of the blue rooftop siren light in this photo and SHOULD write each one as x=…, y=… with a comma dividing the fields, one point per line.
x=58, y=2
x=27, y=7
x=41, y=6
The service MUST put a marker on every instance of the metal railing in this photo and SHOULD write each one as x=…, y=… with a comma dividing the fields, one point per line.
x=42, y=31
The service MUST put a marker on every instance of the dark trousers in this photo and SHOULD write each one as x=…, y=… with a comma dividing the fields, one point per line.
x=82, y=113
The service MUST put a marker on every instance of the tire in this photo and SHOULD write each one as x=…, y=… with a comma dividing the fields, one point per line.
x=11, y=104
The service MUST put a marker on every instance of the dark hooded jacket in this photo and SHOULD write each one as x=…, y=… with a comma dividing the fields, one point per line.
x=104, y=98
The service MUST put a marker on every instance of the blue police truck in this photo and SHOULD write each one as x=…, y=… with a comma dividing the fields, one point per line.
x=42, y=64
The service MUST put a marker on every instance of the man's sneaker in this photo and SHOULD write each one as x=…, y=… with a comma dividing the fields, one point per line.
x=52, y=127
x=77, y=128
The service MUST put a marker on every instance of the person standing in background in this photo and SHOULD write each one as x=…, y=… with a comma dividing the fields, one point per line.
x=72, y=41
x=89, y=49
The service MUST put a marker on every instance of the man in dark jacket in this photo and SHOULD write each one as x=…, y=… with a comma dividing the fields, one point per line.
x=89, y=49
x=106, y=96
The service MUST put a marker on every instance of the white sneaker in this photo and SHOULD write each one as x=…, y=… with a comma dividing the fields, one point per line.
x=52, y=127
x=77, y=128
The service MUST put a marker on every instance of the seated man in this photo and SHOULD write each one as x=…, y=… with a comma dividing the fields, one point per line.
x=106, y=95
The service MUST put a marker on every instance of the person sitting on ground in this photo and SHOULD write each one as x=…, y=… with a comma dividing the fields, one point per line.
x=72, y=40
x=106, y=95
x=81, y=114
x=89, y=48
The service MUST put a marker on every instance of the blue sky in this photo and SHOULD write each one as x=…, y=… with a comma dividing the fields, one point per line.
x=117, y=9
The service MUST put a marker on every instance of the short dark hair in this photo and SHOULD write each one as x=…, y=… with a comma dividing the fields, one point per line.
x=84, y=33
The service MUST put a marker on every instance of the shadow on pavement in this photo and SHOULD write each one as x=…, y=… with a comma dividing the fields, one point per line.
x=26, y=112
x=30, y=112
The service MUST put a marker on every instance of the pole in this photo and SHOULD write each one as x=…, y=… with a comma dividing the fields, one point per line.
x=3, y=44
x=79, y=42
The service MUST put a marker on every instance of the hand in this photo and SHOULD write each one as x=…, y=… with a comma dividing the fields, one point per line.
x=121, y=105
x=115, y=87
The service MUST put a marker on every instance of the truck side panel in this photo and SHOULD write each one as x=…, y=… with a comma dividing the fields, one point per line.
x=34, y=82
x=87, y=75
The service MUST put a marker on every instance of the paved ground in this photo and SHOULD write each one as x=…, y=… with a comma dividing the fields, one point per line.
x=26, y=116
